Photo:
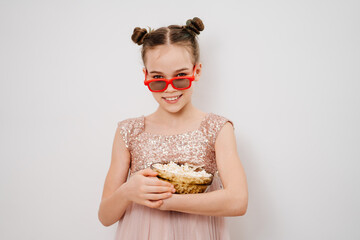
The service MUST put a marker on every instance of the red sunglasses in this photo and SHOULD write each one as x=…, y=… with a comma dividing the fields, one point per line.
x=160, y=84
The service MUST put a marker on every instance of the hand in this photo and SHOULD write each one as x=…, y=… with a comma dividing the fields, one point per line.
x=145, y=188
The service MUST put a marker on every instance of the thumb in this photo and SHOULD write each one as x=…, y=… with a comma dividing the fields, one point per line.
x=149, y=172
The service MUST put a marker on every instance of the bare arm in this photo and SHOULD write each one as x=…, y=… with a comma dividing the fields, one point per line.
x=142, y=187
x=232, y=200
x=113, y=203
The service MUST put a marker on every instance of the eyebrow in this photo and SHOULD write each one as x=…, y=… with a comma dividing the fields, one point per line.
x=179, y=70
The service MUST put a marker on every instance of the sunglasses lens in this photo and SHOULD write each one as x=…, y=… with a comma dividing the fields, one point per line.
x=181, y=83
x=157, y=85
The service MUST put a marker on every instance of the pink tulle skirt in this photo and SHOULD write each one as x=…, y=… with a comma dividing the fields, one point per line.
x=140, y=222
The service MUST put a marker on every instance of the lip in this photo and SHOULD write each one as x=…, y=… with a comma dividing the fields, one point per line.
x=172, y=96
x=172, y=101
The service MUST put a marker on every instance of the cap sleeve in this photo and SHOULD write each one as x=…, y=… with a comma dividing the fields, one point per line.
x=217, y=124
x=124, y=127
x=129, y=128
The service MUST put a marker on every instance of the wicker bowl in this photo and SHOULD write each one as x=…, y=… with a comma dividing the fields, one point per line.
x=184, y=184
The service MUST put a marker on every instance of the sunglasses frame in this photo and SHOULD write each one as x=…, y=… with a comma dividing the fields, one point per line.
x=169, y=81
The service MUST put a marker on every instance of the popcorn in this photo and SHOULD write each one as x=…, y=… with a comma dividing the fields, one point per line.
x=185, y=178
x=184, y=169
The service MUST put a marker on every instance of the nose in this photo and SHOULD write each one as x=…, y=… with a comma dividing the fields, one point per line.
x=170, y=89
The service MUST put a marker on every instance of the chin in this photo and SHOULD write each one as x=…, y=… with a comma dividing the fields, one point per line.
x=173, y=109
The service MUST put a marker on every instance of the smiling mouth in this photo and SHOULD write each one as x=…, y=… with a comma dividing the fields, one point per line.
x=172, y=98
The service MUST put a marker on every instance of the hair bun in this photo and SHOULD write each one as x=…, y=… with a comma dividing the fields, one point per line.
x=195, y=25
x=139, y=35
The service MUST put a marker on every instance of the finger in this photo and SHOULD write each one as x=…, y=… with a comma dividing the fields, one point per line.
x=158, y=189
x=158, y=182
x=157, y=196
x=153, y=177
x=148, y=172
x=153, y=204
x=165, y=183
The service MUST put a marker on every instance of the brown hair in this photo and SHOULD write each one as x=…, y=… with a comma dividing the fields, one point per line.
x=174, y=34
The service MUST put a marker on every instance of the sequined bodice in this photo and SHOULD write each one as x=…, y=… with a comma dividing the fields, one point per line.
x=195, y=147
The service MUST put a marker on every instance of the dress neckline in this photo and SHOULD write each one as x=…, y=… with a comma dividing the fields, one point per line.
x=178, y=134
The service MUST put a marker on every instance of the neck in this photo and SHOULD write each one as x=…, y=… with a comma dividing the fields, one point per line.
x=186, y=113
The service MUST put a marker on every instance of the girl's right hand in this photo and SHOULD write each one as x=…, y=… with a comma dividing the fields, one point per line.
x=145, y=188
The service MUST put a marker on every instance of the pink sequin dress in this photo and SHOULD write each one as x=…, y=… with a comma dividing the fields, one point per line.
x=195, y=147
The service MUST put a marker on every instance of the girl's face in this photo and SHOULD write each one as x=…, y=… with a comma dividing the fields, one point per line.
x=168, y=61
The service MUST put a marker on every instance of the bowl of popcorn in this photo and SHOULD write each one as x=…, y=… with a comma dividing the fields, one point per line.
x=186, y=178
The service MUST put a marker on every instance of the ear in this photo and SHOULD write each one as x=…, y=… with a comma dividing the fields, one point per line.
x=198, y=71
x=144, y=71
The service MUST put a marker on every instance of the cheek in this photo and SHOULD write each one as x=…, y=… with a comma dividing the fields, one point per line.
x=157, y=96
x=189, y=91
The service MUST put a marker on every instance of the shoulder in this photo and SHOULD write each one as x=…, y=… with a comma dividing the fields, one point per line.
x=219, y=121
x=224, y=134
x=129, y=128
x=128, y=122
x=215, y=124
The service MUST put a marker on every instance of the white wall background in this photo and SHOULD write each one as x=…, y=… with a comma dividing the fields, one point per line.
x=286, y=72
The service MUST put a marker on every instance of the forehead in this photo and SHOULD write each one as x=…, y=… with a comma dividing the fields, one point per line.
x=166, y=58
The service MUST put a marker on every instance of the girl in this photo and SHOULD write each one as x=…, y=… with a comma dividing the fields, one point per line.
x=145, y=206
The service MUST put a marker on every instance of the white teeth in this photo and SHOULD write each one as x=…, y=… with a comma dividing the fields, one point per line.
x=174, y=98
